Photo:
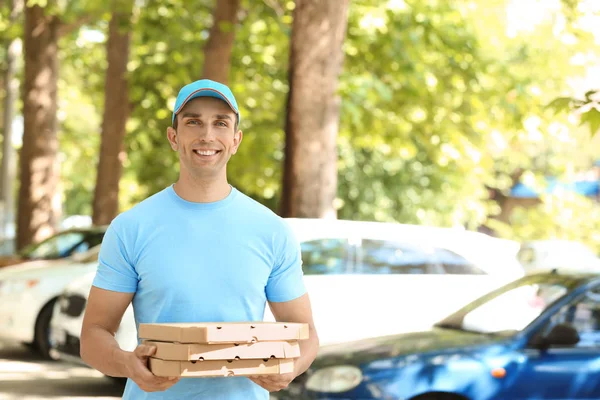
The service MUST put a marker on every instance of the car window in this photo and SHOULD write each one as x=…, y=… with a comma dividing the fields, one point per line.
x=325, y=256
x=455, y=264
x=89, y=256
x=92, y=239
x=392, y=257
x=58, y=246
x=513, y=309
x=584, y=316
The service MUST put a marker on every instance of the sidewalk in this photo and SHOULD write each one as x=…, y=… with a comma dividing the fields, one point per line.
x=26, y=377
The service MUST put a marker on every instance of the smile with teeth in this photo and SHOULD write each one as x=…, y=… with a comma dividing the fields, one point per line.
x=206, y=152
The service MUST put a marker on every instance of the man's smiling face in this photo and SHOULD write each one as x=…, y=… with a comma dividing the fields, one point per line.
x=206, y=137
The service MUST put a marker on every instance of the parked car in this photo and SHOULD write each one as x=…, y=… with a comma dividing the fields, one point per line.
x=356, y=270
x=28, y=292
x=547, y=254
x=365, y=279
x=61, y=245
x=534, y=338
x=67, y=320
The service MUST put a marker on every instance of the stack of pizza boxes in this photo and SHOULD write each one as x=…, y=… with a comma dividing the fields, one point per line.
x=223, y=349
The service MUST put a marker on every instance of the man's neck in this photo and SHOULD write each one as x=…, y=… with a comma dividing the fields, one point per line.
x=202, y=190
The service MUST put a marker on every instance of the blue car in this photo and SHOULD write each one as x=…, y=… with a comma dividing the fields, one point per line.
x=535, y=338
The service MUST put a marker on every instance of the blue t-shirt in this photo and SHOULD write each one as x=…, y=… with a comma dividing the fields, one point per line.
x=200, y=262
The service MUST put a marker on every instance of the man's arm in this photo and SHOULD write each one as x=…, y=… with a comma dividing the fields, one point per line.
x=103, y=314
x=297, y=310
x=100, y=350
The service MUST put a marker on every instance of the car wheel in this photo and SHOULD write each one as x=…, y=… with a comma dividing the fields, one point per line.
x=42, y=331
x=30, y=346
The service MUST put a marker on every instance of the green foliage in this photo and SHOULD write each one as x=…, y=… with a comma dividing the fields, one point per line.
x=528, y=139
x=81, y=93
x=168, y=53
x=9, y=31
x=409, y=122
x=592, y=117
x=588, y=108
x=259, y=79
x=564, y=216
x=440, y=108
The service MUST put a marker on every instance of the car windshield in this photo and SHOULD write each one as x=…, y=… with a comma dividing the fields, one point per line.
x=510, y=309
x=58, y=246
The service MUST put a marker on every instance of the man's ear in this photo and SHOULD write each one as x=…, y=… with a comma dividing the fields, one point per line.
x=172, y=136
x=237, y=139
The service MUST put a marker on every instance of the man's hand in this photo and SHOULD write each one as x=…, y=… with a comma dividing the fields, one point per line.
x=137, y=367
x=273, y=383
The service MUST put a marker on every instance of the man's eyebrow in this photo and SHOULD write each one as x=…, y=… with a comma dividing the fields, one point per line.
x=223, y=116
x=191, y=115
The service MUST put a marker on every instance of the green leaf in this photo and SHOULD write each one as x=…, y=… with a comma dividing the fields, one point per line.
x=589, y=95
x=560, y=104
x=592, y=117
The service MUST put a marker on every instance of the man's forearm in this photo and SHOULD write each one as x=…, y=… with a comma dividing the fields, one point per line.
x=100, y=350
x=308, y=351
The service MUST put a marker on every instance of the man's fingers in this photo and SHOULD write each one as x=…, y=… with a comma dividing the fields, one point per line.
x=150, y=379
x=257, y=378
x=270, y=383
x=259, y=382
x=159, y=385
x=144, y=351
x=270, y=380
x=142, y=375
x=168, y=383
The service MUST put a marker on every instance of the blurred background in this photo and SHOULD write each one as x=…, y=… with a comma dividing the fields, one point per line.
x=454, y=125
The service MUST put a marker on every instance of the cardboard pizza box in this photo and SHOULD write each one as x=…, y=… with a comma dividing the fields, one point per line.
x=259, y=350
x=216, y=368
x=223, y=332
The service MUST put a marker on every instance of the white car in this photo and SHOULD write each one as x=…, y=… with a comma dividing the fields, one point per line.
x=66, y=241
x=28, y=292
x=359, y=275
x=67, y=320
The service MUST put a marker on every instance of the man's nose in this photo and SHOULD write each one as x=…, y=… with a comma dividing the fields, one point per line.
x=206, y=132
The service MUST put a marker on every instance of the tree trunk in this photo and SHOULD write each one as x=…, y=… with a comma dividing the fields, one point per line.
x=217, y=53
x=310, y=169
x=116, y=112
x=38, y=210
x=11, y=90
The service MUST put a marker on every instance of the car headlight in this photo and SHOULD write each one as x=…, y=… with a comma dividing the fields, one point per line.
x=336, y=379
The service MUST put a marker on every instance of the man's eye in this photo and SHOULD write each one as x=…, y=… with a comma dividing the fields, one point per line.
x=192, y=122
x=221, y=123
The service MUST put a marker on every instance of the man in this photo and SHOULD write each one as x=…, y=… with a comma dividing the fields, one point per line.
x=198, y=251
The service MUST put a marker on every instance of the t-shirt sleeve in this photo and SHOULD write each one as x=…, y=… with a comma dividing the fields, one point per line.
x=286, y=281
x=115, y=270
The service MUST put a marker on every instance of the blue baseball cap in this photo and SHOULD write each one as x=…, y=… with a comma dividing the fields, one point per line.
x=205, y=88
